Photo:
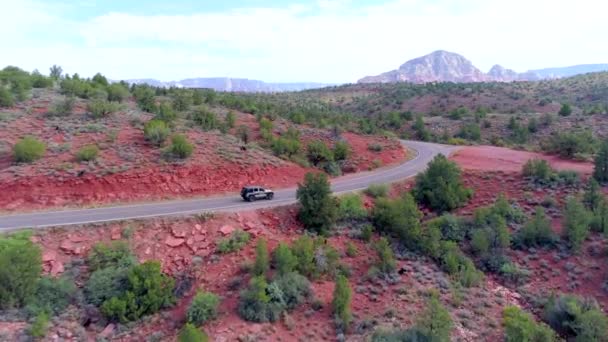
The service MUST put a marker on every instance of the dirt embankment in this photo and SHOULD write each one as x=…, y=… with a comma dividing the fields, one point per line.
x=491, y=158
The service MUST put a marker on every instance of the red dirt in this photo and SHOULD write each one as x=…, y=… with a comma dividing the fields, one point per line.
x=490, y=158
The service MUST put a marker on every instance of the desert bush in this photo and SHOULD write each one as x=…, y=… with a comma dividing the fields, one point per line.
x=435, y=321
x=20, y=268
x=317, y=153
x=87, y=153
x=147, y=291
x=156, y=131
x=440, y=186
x=341, y=303
x=599, y=218
x=374, y=147
x=145, y=98
x=351, y=250
x=76, y=87
x=351, y=207
x=114, y=254
x=539, y=171
x=6, y=98
x=520, y=326
x=576, y=317
x=377, y=190
x=117, y=92
x=40, y=325
x=469, y=132
x=399, y=217
x=318, y=208
x=571, y=144
x=422, y=133
x=102, y=108
x=514, y=274
x=182, y=99
x=565, y=110
x=592, y=197
x=262, y=259
x=294, y=287
x=285, y=147
x=203, y=308
x=205, y=118
x=576, y=223
x=366, y=232
x=190, y=333
x=236, y=241
x=28, y=149
x=409, y=335
x=106, y=283
x=53, y=295
x=536, y=232
x=451, y=227
x=600, y=170
x=165, y=112
x=244, y=133
x=341, y=151
x=386, y=259
x=180, y=147
x=284, y=260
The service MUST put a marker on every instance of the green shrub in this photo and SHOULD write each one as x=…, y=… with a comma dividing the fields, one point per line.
x=40, y=325
x=520, y=326
x=386, y=259
x=571, y=144
x=539, y=171
x=53, y=295
x=304, y=251
x=262, y=259
x=148, y=291
x=6, y=98
x=20, y=268
x=514, y=274
x=180, y=147
x=600, y=169
x=190, y=333
x=182, y=99
x=237, y=240
x=230, y=119
x=63, y=107
x=318, y=153
x=351, y=207
x=399, y=217
x=341, y=303
x=451, y=227
x=341, y=151
x=28, y=150
x=351, y=250
x=114, y=254
x=470, y=132
x=87, y=153
x=422, y=133
x=410, y=335
x=285, y=147
x=469, y=276
x=440, y=186
x=203, y=308
x=366, y=232
x=536, y=232
x=205, y=118
x=377, y=190
x=144, y=96
x=572, y=316
x=576, y=223
x=599, y=219
x=165, y=112
x=262, y=302
x=565, y=110
x=593, y=197
x=156, y=131
x=106, y=283
x=283, y=259
x=374, y=147
x=318, y=208
x=102, y=108
x=117, y=92
x=435, y=321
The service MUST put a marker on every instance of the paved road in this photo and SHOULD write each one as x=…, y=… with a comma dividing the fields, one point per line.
x=425, y=152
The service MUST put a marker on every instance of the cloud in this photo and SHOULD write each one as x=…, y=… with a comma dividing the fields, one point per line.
x=327, y=41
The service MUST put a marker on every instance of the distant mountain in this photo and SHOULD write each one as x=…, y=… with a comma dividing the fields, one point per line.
x=444, y=66
x=570, y=71
x=231, y=84
x=439, y=66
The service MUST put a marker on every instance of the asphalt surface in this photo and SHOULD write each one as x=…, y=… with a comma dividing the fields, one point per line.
x=425, y=153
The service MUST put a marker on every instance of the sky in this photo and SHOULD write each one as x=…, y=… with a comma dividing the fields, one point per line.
x=330, y=41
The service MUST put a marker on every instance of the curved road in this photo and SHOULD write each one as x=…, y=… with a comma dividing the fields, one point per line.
x=425, y=153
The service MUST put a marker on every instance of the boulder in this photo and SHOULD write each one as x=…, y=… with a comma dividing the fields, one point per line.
x=226, y=230
x=174, y=242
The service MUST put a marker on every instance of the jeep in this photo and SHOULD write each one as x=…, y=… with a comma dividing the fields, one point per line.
x=254, y=192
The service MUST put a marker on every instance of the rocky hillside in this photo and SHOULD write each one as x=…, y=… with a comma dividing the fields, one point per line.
x=444, y=66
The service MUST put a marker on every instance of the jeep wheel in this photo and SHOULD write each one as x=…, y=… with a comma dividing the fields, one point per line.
x=269, y=196
x=251, y=198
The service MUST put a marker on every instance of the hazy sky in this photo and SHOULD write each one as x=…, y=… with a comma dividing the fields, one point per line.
x=325, y=40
